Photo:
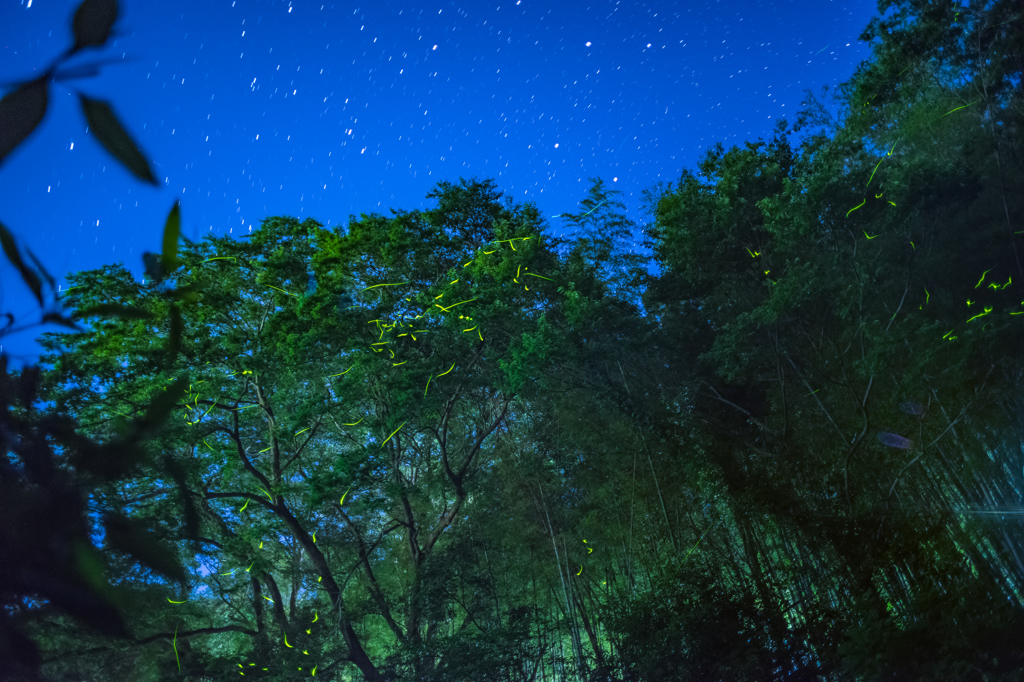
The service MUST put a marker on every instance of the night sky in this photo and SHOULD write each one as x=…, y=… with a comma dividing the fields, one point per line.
x=250, y=109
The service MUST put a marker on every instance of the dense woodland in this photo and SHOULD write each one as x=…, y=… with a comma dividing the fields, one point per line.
x=444, y=445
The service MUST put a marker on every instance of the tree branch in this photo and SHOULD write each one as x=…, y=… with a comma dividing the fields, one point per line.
x=717, y=396
x=240, y=450
x=298, y=452
x=378, y=595
x=201, y=631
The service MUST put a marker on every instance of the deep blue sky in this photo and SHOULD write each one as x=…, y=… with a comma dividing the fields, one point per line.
x=254, y=108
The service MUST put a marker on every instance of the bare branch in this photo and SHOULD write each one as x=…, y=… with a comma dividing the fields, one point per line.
x=718, y=396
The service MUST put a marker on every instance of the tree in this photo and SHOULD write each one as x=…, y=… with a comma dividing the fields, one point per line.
x=842, y=379
x=371, y=367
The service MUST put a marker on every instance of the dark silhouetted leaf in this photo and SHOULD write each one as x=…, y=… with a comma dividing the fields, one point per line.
x=163, y=403
x=172, y=230
x=110, y=461
x=114, y=310
x=188, y=293
x=94, y=602
x=93, y=22
x=191, y=516
x=115, y=138
x=87, y=70
x=57, y=318
x=132, y=537
x=41, y=270
x=154, y=269
x=177, y=329
x=20, y=112
x=30, y=278
x=84, y=71
x=19, y=654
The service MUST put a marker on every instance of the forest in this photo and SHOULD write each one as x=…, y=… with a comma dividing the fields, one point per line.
x=443, y=445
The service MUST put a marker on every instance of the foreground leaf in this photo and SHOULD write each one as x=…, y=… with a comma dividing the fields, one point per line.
x=134, y=538
x=93, y=22
x=30, y=278
x=20, y=112
x=114, y=310
x=172, y=231
x=115, y=139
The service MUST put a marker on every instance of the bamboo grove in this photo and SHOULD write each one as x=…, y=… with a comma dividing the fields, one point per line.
x=444, y=445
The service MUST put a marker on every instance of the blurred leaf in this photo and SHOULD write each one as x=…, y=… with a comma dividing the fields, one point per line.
x=93, y=22
x=18, y=654
x=20, y=112
x=87, y=70
x=163, y=403
x=115, y=138
x=172, y=231
x=57, y=318
x=96, y=606
x=30, y=278
x=154, y=270
x=188, y=293
x=191, y=516
x=10, y=322
x=41, y=270
x=134, y=538
x=108, y=461
x=114, y=310
x=177, y=329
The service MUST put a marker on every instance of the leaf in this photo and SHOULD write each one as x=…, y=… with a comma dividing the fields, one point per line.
x=94, y=606
x=93, y=22
x=87, y=70
x=115, y=138
x=30, y=278
x=57, y=318
x=188, y=293
x=20, y=112
x=154, y=270
x=163, y=403
x=177, y=330
x=191, y=516
x=41, y=270
x=114, y=310
x=172, y=231
x=134, y=538
x=23, y=651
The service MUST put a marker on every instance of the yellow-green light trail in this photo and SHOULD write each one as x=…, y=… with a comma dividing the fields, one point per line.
x=174, y=643
x=392, y=434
